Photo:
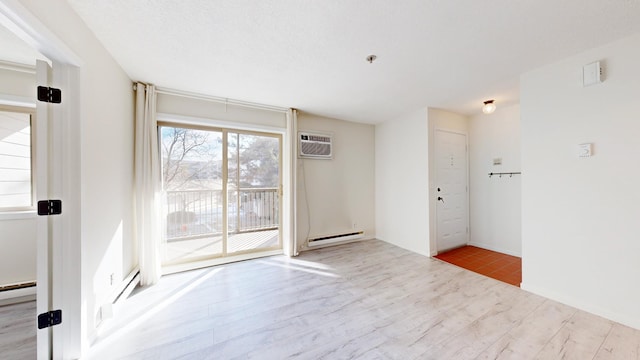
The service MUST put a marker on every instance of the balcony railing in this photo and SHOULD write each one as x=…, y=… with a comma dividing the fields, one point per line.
x=198, y=213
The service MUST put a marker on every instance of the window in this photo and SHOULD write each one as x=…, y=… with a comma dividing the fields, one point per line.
x=221, y=189
x=16, y=185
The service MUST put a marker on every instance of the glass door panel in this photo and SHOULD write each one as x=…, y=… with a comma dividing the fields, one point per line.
x=192, y=166
x=253, y=192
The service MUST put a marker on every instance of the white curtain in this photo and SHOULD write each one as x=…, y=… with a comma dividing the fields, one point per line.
x=147, y=185
x=292, y=130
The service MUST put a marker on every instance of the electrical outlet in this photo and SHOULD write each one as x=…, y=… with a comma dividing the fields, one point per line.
x=106, y=311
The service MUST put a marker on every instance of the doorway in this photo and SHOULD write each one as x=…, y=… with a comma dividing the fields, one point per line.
x=24, y=283
x=221, y=192
x=56, y=166
x=452, y=205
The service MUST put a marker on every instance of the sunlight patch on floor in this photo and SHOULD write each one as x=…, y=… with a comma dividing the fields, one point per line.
x=181, y=250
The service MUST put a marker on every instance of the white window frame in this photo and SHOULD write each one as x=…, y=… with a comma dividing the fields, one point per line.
x=224, y=257
x=32, y=112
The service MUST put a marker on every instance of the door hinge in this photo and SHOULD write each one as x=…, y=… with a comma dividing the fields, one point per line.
x=48, y=319
x=49, y=94
x=49, y=207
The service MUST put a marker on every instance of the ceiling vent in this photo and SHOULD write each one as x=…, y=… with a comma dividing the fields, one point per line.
x=314, y=145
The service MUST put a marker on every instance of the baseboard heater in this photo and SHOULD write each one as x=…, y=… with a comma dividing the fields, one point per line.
x=332, y=239
x=17, y=286
x=17, y=293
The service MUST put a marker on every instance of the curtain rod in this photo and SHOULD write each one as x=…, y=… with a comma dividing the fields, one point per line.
x=226, y=101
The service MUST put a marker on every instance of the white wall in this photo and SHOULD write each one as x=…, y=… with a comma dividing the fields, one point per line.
x=17, y=231
x=443, y=120
x=495, y=203
x=401, y=182
x=18, y=83
x=106, y=153
x=17, y=249
x=235, y=115
x=580, y=228
x=340, y=192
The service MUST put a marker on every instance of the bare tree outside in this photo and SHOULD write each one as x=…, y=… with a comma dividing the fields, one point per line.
x=192, y=168
x=188, y=158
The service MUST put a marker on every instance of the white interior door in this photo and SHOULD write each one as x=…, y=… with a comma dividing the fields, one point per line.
x=452, y=220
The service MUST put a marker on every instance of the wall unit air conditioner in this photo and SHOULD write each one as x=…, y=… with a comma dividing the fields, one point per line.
x=314, y=145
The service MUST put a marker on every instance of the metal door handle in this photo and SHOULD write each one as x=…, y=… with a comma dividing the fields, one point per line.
x=440, y=199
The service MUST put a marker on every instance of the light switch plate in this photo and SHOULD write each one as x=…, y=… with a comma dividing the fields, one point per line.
x=584, y=150
x=592, y=74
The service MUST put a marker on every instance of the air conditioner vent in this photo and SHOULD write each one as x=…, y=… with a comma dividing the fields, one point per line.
x=314, y=148
x=314, y=145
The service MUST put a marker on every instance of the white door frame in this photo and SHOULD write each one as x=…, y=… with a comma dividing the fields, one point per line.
x=62, y=241
x=41, y=151
x=434, y=194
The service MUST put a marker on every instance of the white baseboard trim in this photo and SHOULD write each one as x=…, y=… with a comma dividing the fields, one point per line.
x=126, y=286
x=17, y=295
x=495, y=248
x=424, y=252
x=581, y=305
x=121, y=292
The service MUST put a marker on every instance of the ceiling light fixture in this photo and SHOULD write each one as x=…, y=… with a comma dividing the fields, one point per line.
x=371, y=58
x=489, y=107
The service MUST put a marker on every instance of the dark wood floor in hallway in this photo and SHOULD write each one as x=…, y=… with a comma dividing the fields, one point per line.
x=489, y=263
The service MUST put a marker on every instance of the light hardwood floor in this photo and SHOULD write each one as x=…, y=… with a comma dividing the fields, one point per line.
x=365, y=300
x=18, y=331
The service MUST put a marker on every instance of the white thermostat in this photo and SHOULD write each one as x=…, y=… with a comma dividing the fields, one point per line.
x=584, y=150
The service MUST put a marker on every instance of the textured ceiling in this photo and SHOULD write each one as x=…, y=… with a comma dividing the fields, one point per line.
x=310, y=54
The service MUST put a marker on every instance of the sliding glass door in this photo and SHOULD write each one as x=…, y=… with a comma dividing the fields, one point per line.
x=221, y=192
